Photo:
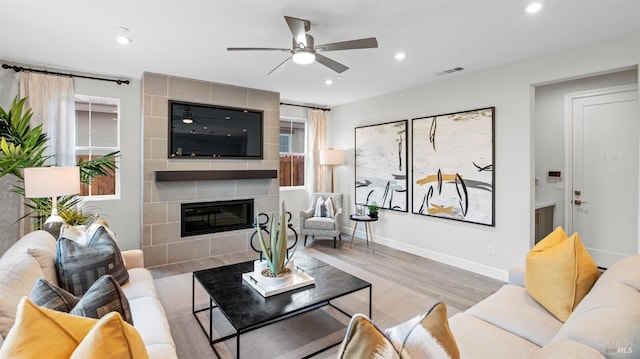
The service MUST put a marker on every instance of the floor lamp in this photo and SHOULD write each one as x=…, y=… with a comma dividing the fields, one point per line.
x=41, y=182
x=331, y=158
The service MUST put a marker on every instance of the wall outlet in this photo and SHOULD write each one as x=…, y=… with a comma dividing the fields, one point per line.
x=490, y=250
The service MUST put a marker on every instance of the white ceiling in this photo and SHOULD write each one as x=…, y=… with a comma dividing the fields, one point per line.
x=189, y=38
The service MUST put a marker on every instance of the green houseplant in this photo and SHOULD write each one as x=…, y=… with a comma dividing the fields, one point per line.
x=373, y=210
x=23, y=146
x=275, y=252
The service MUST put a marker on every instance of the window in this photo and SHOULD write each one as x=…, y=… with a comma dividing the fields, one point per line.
x=97, y=134
x=285, y=142
x=292, y=152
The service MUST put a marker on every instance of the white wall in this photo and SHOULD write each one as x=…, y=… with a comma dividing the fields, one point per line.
x=510, y=89
x=548, y=125
x=124, y=214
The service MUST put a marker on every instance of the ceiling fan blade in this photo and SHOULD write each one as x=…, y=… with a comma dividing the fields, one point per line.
x=367, y=43
x=298, y=28
x=332, y=64
x=277, y=67
x=256, y=49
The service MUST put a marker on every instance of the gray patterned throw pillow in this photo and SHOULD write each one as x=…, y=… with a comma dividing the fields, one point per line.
x=50, y=296
x=79, y=265
x=103, y=297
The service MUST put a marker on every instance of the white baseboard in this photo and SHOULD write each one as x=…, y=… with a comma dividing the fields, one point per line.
x=465, y=264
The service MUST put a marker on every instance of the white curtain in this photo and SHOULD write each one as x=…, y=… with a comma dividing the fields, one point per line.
x=316, y=176
x=51, y=98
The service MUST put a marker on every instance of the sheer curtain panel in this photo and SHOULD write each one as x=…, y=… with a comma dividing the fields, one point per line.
x=51, y=98
x=316, y=174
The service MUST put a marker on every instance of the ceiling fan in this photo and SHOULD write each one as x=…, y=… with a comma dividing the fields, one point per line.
x=305, y=52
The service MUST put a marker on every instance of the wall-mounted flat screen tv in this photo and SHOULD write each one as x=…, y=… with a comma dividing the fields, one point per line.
x=207, y=131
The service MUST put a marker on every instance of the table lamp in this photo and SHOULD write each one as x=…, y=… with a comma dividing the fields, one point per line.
x=40, y=182
x=331, y=158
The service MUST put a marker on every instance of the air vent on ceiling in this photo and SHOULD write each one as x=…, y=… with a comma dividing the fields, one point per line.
x=450, y=71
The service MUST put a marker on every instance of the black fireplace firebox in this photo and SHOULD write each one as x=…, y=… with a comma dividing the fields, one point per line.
x=218, y=216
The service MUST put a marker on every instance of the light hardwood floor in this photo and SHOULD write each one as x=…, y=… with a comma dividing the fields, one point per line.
x=448, y=284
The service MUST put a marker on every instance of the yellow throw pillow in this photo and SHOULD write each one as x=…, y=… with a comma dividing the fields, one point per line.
x=111, y=338
x=559, y=272
x=44, y=333
x=365, y=341
x=425, y=336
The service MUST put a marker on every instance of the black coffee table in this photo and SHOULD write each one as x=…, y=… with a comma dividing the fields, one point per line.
x=246, y=309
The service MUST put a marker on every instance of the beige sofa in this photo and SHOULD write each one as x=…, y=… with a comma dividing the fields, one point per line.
x=511, y=324
x=33, y=256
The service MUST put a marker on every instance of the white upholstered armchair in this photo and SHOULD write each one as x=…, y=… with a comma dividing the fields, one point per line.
x=322, y=219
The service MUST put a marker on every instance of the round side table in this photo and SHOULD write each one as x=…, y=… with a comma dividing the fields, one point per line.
x=367, y=227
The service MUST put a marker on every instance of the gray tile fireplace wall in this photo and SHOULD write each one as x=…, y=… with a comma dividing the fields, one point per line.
x=162, y=243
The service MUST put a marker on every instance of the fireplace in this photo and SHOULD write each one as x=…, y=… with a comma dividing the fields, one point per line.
x=218, y=216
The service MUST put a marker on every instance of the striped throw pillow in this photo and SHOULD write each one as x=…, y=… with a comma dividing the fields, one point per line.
x=324, y=208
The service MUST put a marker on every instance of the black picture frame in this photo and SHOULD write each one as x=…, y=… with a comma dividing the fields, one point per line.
x=453, y=166
x=381, y=173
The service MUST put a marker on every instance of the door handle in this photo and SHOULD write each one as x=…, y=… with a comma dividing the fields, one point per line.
x=578, y=202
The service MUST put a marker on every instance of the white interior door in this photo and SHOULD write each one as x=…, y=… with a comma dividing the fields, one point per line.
x=604, y=172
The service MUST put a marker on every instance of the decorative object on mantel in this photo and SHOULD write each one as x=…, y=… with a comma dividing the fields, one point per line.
x=381, y=165
x=453, y=173
x=264, y=228
x=276, y=273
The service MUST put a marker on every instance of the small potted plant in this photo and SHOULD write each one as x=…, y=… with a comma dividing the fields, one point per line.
x=278, y=267
x=373, y=210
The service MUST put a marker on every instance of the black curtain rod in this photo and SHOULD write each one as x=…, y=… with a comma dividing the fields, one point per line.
x=20, y=69
x=311, y=107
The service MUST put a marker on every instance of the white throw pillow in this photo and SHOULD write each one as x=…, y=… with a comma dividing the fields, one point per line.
x=324, y=208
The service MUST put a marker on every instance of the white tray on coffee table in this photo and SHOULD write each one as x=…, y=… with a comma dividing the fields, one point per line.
x=298, y=279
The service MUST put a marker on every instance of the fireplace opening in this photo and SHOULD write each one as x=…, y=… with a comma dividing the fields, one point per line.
x=218, y=216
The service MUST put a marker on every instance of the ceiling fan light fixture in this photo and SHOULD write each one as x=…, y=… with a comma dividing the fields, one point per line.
x=304, y=57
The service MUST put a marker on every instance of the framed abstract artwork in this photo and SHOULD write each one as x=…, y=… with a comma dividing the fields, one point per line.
x=381, y=165
x=453, y=166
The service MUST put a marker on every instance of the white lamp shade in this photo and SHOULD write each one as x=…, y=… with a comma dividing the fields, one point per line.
x=40, y=182
x=331, y=157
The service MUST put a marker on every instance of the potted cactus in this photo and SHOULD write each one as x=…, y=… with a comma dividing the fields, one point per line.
x=278, y=266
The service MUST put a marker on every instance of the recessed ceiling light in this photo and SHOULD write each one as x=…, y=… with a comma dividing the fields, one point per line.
x=328, y=82
x=533, y=7
x=400, y=56
x=123, y=37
